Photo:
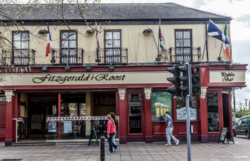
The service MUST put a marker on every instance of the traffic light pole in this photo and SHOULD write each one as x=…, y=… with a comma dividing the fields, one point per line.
x=188, y=129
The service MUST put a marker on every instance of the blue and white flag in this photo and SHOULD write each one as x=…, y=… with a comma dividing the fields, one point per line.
x=215, y=32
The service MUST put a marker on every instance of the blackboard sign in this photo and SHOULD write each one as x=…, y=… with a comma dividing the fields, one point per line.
x=93, y=132
x=226, y=134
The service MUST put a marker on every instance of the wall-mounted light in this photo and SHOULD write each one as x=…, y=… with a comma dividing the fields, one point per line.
x=157, y=59
x=90, y=31
x=230, y=65
x=67, y=68
x=147, y=31
x=88, y=69
x=44, y=69
x=42, y=32
x=111, y=68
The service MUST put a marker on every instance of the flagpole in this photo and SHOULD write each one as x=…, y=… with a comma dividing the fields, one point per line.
x=158, y=37
x=220, y=52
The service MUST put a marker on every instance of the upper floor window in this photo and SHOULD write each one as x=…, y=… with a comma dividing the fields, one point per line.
x=68, y=47
x=112, y=42
x=20, y=46
x=183, y=45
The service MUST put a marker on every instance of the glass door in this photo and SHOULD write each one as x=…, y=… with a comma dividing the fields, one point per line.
x=135, y=113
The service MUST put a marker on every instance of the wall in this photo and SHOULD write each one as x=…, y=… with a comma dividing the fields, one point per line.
x=141, y=47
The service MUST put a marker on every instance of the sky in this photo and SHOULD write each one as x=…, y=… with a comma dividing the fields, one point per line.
x=239, y=10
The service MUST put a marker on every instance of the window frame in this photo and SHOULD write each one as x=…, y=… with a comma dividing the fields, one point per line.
x=76, y=48
x=14, y=49
x=105, y=56
x=191, y=44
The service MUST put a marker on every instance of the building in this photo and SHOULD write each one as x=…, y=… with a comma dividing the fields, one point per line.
x=60, y=97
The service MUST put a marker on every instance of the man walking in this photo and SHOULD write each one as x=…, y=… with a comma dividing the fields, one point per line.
x=169, y=130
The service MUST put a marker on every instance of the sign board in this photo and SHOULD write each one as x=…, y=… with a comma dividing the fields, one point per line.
x=86, y=78
x=67, y=126
x=226, y=134
x=227, y=76
x=52, y=127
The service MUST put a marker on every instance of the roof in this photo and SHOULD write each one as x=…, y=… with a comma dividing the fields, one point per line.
x=109, y=11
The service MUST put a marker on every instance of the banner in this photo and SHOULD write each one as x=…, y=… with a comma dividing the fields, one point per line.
x=160, y=103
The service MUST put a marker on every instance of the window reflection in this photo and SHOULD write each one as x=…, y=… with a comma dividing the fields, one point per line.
x=181, y=108
x=212, y=112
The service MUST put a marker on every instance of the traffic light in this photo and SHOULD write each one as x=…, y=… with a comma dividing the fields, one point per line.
x=196, y=81
x=175, y=80
x=185, y=79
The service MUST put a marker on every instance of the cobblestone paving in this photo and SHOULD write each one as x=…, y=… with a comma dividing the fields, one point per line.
x=136, y=152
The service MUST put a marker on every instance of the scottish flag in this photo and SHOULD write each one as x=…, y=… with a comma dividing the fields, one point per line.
x=215, y=32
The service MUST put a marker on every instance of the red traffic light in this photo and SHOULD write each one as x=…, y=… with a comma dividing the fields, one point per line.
x=195, y=70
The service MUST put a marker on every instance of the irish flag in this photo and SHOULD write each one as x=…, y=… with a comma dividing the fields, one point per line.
x=226, y=46
x=161, y=37
x=49, y=43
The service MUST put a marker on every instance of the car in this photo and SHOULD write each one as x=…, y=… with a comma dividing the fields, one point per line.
x=234, y=121
x=242, y=127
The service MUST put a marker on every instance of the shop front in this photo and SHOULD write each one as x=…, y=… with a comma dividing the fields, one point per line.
x=64, y=105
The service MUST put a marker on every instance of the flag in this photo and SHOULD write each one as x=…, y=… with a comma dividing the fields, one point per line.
x=97, y=37
x=49, y=43
x=215, y=32
x=161, y=37
x=226, y=46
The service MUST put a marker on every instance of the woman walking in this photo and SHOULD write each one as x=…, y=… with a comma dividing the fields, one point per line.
x=113, y=117
x=111, y=129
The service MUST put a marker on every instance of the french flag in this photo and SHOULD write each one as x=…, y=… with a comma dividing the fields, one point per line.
x=49, y=43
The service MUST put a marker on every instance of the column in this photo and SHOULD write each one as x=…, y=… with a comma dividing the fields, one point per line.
x=59, y=115
x=123, y=115
x=8, y=124
x=203, y=115
x=148, y=117
x=88, y=112
x=15, y=115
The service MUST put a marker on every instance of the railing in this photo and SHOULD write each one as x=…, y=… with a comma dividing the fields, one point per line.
x=177, y=55
x=18, y=57
x=112, y=56
x=67, y=56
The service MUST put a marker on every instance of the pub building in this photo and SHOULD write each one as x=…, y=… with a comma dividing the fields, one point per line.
x=60, y=97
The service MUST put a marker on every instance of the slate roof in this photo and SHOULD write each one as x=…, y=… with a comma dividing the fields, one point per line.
x=110, y=11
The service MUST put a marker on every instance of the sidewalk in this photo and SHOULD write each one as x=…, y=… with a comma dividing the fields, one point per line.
x=133, y=151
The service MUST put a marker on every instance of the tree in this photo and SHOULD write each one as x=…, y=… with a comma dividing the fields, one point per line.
x=12, y=12
x=242, y=113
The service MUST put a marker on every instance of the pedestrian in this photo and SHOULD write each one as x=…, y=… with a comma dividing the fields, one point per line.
x=169, y=130
x=111, y=129
x=113, y=117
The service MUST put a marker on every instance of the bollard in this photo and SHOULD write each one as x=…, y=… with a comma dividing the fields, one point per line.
x=102, y=151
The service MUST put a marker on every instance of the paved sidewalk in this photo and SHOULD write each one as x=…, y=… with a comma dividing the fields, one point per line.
x=136, y=152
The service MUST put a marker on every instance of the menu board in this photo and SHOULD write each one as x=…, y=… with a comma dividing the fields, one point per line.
x=161, y=102
x=67, y=126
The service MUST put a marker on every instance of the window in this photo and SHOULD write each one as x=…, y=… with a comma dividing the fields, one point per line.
x=181, y=108
x=113, y=47
x=183, y=45
x=20, y=45
x=213, y=112
x=68, y=47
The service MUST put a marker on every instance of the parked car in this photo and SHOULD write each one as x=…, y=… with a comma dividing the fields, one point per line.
x=242, y=127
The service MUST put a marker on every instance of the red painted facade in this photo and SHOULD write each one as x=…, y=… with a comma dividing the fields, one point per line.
x=152, y=131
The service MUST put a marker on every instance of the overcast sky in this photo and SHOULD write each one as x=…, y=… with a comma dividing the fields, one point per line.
x=239, y=10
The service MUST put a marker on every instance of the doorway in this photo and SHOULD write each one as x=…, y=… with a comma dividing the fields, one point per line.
x=226, y=115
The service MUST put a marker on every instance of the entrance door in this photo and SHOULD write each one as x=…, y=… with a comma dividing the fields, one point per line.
x=135, y=117
x=226, y=115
